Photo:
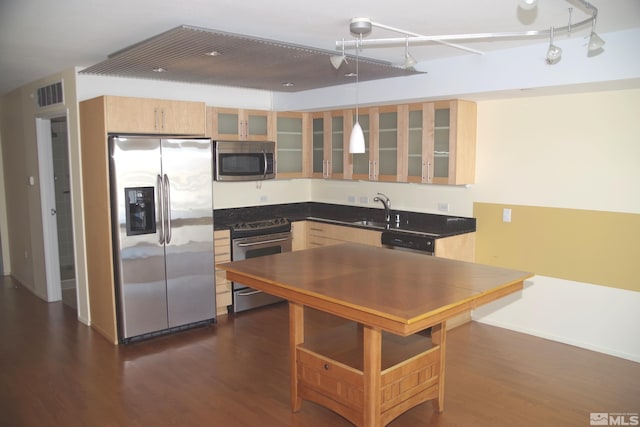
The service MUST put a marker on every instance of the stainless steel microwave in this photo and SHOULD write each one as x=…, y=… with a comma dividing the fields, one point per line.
x=244, y=160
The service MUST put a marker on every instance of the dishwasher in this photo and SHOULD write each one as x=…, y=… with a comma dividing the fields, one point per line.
x=413, y=242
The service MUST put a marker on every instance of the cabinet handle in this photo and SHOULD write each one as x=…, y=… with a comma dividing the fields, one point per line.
x=162, y=117
x=428, y=171
x=372, y=166
x=244, y=129
x=155, y=118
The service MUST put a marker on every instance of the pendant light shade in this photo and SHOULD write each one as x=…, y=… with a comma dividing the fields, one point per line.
x=356, y=141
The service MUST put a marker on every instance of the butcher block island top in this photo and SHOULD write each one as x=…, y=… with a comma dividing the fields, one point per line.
x=382, y=290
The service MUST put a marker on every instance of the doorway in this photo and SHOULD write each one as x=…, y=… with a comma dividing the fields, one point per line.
x=57, y=217
x=64, y=214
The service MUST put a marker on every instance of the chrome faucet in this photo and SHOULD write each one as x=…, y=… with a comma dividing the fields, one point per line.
x=386, y=202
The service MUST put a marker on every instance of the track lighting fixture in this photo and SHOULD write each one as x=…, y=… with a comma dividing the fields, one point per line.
x=360, y=26
x=595, y=42
x=409, y=61
x=338, y=60
x=554, y=53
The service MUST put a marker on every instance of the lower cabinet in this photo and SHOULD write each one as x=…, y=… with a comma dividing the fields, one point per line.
x=321, y=234
x=461, y=247
x=222, y=253
x=299, y=235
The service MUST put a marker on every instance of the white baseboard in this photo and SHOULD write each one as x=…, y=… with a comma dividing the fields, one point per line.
x=598, y=318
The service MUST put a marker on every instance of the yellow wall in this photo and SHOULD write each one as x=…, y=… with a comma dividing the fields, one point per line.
x=585, y=246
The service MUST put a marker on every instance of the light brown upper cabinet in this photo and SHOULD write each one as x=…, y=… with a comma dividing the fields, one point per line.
x=385, y=132
x=293, y=136
x=330, y=156
x=154, y=116
x=240, y=125
x=441, y=142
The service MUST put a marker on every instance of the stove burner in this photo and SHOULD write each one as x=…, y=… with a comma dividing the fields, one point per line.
x=256, y=228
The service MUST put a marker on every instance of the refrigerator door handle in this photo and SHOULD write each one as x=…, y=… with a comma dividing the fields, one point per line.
x=167, y=204
x=160, y=209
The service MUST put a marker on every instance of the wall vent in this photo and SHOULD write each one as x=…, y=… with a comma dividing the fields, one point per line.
x=50, y=95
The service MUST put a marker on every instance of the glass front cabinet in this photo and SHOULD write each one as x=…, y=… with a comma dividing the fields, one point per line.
x=330, y=142
x=240, y=125
x=431, y=142
x=365, y=164
x=293, y=136
x=441, y=142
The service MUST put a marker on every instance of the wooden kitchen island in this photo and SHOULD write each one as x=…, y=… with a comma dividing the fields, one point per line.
x=384, y=291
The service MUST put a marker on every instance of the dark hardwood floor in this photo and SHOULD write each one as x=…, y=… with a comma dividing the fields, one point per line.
x=55, y=371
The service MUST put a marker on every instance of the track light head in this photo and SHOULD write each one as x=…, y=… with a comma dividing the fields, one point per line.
x=338, y=60
x=595, y=42
x=554, y=54
x=409, y=61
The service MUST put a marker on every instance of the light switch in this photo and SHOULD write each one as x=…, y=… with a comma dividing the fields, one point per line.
x=506, y=215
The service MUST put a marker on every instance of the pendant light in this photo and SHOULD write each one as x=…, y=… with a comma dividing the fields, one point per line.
x=356, y=141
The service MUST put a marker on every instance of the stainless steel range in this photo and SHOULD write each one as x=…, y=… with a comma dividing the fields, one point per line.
x=254, y=239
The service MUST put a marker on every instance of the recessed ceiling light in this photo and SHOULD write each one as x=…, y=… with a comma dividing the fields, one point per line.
x=287, y=84
x=213, y=53
x=351, y=75
x=159, y=70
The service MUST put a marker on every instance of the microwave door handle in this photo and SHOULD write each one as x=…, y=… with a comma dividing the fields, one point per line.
x=167, y=188
x=264, y=155
x=160, y=209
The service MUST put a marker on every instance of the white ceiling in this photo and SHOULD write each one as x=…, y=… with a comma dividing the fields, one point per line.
x=43, y=37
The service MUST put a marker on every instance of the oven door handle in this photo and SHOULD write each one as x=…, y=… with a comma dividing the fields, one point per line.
x=246, y=294
x=262, y=242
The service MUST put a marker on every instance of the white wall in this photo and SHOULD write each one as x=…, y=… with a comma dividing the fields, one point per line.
x=576, y=151
x=595, y=317
x=258, y=193
x=91, y=86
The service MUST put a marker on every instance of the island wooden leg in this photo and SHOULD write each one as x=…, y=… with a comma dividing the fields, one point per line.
x=372, y=376
x=438, y=337
x=296, y=337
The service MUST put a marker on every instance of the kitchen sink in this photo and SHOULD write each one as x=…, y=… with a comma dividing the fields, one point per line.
x=367, y=223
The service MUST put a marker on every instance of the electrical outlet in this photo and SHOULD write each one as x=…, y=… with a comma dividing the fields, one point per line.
x=264, y=198
x=506, y=215
x=443, y=206
x=364, y=200
x=351, y=199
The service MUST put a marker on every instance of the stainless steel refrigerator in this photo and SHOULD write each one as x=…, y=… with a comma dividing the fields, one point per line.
x=162, y=216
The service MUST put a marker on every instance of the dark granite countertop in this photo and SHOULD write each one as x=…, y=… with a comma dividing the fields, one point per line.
x=411, y=222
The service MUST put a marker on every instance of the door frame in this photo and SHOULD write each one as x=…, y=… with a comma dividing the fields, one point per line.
x=47, y=205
